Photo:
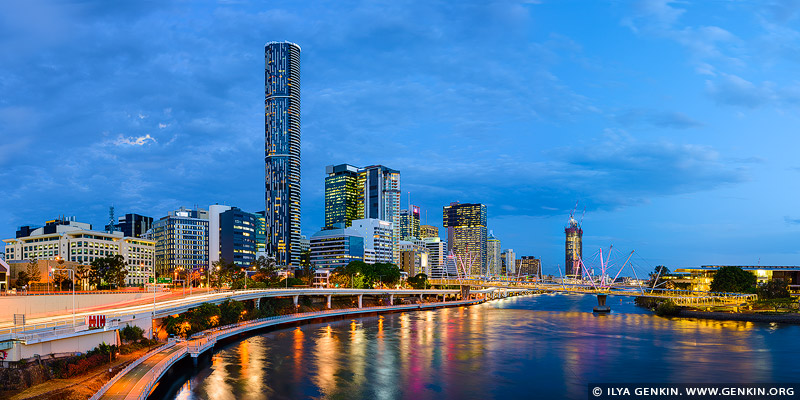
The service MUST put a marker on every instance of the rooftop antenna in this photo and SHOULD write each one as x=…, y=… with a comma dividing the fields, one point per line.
x=110, y=219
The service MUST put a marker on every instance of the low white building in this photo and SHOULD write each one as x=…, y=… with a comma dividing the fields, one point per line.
x=78, y=243
x=377, y=236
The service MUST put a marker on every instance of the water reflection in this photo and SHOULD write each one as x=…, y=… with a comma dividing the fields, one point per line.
x=538, y=346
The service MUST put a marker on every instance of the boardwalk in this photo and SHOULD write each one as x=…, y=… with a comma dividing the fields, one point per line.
x=138, y=380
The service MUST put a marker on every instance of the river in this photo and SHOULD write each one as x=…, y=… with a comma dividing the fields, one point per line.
x=541, y=346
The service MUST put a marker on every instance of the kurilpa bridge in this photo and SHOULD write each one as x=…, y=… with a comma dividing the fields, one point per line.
x=690, y=298
x=603, y=284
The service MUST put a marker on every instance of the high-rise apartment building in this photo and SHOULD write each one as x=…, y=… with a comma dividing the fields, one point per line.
x=573, y=248
x=436, y=255
x=409, y=223
x=529, y=266
x=428, y=231
x=181, y=242
x=344, y=195
x=382, y=199
x=509, y=262
x=282, y=151
x=466, y=235
x=494, y=264
x=414, y=258
x=232, y=235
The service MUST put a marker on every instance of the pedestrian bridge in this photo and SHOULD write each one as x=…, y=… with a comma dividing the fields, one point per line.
x=687, y=298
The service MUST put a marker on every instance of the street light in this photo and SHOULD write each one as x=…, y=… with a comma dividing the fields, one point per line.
x=72, y=274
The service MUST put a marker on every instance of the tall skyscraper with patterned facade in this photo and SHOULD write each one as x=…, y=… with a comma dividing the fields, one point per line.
x=282, y=151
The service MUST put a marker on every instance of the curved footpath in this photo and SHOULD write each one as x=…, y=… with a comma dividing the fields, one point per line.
x=138, y=379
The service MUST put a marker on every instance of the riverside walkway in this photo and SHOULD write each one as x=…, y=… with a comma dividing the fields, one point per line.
x=138, y=379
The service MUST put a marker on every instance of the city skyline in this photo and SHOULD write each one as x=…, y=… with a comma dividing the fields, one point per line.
x=695, y=174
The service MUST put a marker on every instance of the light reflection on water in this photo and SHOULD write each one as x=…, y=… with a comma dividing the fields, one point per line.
x=537, y=346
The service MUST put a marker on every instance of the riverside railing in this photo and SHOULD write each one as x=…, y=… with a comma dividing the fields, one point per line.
x=211, y=335
x=129, y=368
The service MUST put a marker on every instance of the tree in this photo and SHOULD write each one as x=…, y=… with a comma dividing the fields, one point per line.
x=419, y=281
x=204, y=317
x=22, y=279
x=224, y=273
x=266, y=269
x=657, y=277
x=774, y=289
x=306, y=267
x=109, y=270
x=733, y=279
x=230, y=312
x=81, y=273
x=32, y=269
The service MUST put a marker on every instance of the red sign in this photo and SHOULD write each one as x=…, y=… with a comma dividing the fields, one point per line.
x=96, y=321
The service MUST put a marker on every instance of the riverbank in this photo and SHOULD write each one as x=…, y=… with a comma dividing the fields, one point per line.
x=147, y=374
x=78, y=387
x=748, y=317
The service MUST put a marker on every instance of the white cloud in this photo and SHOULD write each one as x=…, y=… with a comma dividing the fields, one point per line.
x=134, y=141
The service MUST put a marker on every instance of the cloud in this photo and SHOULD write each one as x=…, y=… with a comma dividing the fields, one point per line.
x=733, y=90
x=608, y=173
x=134, y=141
x=791, y=221
x=661, y=119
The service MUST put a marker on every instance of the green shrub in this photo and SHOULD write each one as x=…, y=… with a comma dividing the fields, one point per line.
x=131, y=333
x=667, y=309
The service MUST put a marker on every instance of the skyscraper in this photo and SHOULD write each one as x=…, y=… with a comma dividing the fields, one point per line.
x=343, y=195
x=466, y=235
x=409, y=223
x=282, y=150
x=493, y=262
x=382, y=199
x=181, y=242
x=428, y=231
x=573, y=248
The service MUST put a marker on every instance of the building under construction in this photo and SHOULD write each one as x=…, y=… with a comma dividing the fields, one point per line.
x=573, y=248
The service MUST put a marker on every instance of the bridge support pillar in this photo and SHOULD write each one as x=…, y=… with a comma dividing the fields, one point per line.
x=256, y=303
x=329, y=300
x=601, y=304
x=464, y=292
x=391, y=299
x=360, y=297
x=295, y=300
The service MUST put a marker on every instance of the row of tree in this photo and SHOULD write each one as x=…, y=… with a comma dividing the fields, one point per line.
x=360, y=275
x=103, y=273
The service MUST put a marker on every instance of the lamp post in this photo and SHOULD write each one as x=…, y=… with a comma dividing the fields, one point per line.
x=72, y=274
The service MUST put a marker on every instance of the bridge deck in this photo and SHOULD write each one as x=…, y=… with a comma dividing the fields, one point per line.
x=680, y=297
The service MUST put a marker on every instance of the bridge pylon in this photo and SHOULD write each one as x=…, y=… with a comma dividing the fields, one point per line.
x=601, y=306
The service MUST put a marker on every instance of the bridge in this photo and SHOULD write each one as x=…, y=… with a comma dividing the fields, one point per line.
x=137, y=380
x=686, y=298
x=60, y=335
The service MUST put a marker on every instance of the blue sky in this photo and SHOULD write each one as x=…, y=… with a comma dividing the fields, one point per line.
x=673, y=123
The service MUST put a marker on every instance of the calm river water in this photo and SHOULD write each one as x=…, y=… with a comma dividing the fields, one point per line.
x=542, y=346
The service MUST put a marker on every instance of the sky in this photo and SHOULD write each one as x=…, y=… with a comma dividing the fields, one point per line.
x=673, y=124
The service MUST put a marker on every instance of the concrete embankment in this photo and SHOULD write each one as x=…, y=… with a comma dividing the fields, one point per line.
x=748, y=317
